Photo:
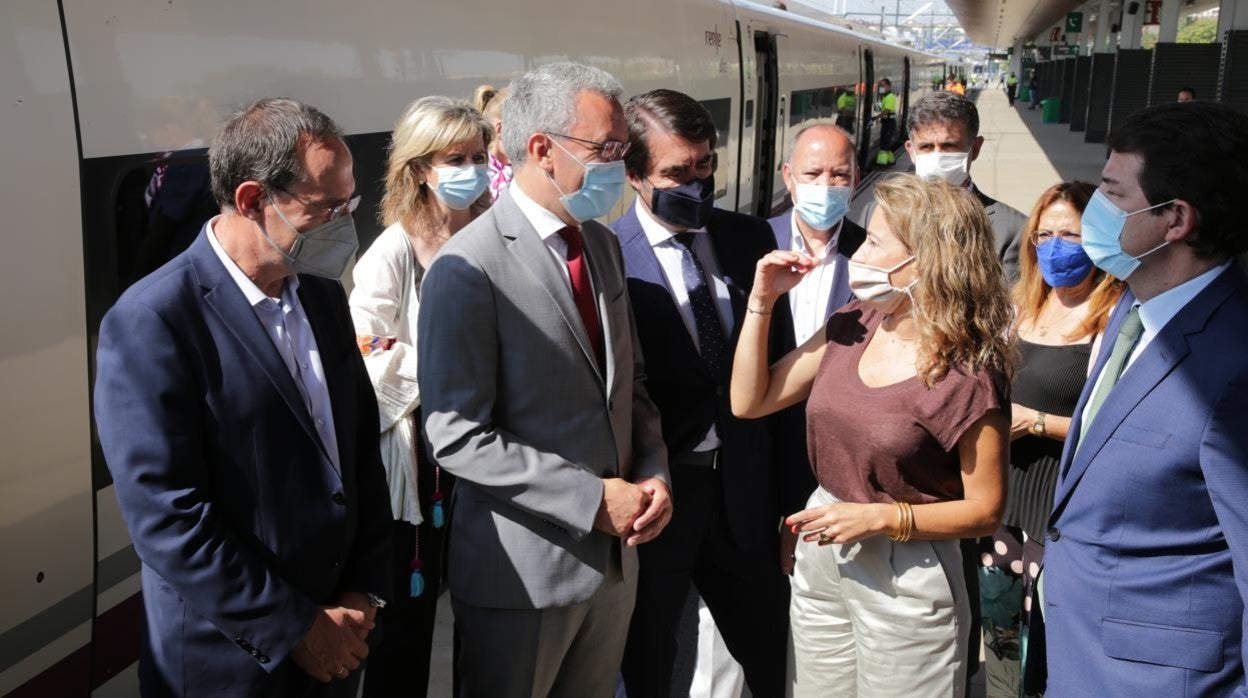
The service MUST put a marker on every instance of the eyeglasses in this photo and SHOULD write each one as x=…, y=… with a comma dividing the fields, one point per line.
x=317, y=209
x=1039, y=237
x=608, y=151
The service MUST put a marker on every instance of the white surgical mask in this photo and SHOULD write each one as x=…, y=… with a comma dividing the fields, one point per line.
x=871, y=285
x=954, y=168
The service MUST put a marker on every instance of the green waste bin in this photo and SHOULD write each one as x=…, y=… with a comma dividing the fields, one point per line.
x=1051, y=109
x=1024, y=94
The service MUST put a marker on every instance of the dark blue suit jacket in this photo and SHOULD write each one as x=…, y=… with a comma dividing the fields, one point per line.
x=243, y=524
x=796, y=479
x=1146, y=566
x=688, y=399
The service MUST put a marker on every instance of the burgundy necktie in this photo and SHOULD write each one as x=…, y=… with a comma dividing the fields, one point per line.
x=582, y=293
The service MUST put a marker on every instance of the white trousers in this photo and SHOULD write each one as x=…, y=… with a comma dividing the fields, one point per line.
x=715, y=673
x=878, y=618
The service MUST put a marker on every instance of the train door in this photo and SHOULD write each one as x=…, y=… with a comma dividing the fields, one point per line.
x=867, y=105
x=767, y=100
x=904, y=115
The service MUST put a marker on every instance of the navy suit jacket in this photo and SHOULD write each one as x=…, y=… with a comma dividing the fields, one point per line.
x=241, y=521
x=796, y=479
x=688, y=398
x=1146, y=566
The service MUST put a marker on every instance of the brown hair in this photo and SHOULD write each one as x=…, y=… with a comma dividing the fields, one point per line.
x=1031, y=290
x=670, y=111
x=961, y=305
x=482, y=96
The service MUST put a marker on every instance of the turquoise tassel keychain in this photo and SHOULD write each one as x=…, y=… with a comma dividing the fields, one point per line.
x=439, y=518
x=417, y=581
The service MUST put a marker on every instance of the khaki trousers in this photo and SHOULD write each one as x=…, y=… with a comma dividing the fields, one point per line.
x=878, y=618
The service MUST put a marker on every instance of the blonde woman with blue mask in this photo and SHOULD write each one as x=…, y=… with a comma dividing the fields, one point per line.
x=436, y=183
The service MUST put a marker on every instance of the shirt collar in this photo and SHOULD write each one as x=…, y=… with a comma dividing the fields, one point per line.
x=250, y=290
x=656, y=234
x=544, y=222
x=1159, y=310
x=799, y=242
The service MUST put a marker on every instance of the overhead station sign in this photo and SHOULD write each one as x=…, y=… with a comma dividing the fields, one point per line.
x=1074, y=22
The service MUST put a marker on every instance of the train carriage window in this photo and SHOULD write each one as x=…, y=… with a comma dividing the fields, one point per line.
x=827, y=99
x=721, y=116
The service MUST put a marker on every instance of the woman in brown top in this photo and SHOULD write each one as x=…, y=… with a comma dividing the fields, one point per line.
x=908, y=431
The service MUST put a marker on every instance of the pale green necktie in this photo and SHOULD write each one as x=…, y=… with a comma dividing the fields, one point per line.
x=1128, y=335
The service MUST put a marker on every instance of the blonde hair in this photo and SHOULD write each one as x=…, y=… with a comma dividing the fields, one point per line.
x=429, y=125
x=961, y=305
x=1031, y=290
x=482, y=96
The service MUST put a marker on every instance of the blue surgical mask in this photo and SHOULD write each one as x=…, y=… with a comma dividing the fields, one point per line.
x=459, y=187
x=323, y=251
x=822, y=207
x=1102, y=223
x=601, y=188
x=1063, y=263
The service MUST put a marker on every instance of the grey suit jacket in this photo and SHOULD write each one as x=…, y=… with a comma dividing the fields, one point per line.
x=517, y=408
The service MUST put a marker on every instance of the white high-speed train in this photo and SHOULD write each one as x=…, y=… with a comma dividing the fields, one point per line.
x=100, y=96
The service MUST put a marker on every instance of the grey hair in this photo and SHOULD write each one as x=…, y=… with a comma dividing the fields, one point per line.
x=943, y=107
x=544, y=100
x=260, y=143
x=821, y=125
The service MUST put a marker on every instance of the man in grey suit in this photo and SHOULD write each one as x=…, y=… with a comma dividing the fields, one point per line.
x=532, y=388
x=944, y=141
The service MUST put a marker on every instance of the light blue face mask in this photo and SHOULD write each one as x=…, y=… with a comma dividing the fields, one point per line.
x=1101, y=224
x=459, y=187
x=601, y=188
x=822, y=207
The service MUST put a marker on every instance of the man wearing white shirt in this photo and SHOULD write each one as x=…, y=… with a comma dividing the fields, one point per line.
x=690, y=267
x=1143, y=585
x=820, y=175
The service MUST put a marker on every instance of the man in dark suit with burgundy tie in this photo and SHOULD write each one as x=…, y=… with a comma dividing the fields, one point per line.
x=690, y=268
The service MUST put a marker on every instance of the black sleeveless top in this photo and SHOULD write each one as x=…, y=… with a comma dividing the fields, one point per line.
x=1049, y=379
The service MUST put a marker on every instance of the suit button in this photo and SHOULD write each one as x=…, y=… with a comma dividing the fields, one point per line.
x=339, y=498
x=263, y=659
x=335, y=564
x=255, y=653
x=719, y=391
x=1054, y=534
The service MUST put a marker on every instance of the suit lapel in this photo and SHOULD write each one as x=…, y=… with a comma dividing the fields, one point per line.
x=533, y=254
x=841, y=293
x=732, y=268
x=228, y=302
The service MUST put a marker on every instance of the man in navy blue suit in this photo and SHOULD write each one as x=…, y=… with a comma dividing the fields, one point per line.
x=690, y=268
x=241, y=429
x=820, y=175
x=1146, y=566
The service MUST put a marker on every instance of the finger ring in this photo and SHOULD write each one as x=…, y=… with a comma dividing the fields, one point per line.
x=342, y=671
x=823, y=537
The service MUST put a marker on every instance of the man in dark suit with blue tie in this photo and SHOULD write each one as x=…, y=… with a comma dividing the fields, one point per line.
x=241, y=429
x=1146, y=566
x=690, y=268
x=820, y=175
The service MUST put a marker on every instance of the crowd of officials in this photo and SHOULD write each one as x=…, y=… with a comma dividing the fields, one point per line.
x=851, y=440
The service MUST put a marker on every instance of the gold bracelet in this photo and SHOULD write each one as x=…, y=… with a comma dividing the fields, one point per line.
x=748, y=309
x=901, y=523
x=909, y=521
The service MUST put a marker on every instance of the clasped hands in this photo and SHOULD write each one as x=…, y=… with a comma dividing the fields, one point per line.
x=635, y=512
x=335, y=644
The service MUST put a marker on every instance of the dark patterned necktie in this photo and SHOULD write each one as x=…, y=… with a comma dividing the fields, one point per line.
x=711, y=342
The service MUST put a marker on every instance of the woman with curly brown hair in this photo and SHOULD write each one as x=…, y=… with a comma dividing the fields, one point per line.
x=907, y=427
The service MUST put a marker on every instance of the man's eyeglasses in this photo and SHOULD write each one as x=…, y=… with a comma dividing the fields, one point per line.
x=322, y=210
x=608, y=151
x=1042, y=236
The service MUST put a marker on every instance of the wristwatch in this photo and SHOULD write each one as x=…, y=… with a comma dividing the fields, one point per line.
x=375, y=601
x=1037, y=427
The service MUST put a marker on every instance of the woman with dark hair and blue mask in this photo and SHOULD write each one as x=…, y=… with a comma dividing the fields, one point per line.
x=1062, y=303
x=436, y=183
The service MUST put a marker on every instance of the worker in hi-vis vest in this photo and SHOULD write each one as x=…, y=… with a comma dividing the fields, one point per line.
x=846, y=106
x=888, y=122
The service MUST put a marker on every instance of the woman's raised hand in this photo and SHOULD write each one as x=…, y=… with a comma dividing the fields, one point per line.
x=777, y=273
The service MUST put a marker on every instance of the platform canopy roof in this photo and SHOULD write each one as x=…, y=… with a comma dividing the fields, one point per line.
x=999, y=23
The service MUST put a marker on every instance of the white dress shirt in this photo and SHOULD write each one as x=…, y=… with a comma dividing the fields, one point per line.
x=1158, y=311
x=287, y=325
x=811, y=298
x=547, y=226
x=670, y=255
